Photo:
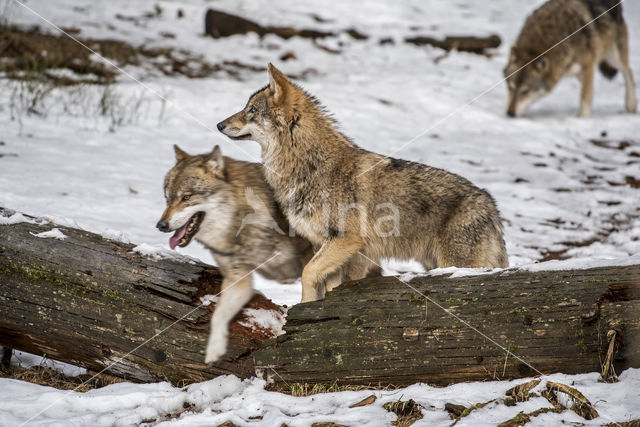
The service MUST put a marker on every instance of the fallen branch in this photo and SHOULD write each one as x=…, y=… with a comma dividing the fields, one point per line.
x=461, y=43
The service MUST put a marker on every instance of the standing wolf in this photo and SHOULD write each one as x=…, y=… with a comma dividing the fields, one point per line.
x=547, y=57
x=347, y=200
x=227, y=205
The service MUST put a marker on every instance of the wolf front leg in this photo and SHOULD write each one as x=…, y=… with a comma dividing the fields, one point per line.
x=237, y=290
x=332, y=255
x=586, y=92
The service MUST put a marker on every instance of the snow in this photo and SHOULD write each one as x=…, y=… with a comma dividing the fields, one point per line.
x=158, y=252
x=54, y=233
x=244, y=402
x=271, y=320
x=559, y=181
x=16, y=218
x=26, y=360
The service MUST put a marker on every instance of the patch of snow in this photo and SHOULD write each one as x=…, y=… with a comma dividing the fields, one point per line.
x=581, y=263
x=16, y=218
x=116, y=235
x=158, y=252
x=271, y=320
x=27, y=360
x=54, y=233
x=208, y=299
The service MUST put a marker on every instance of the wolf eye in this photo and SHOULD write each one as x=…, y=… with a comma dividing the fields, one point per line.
x=252, y=109
x=186, y=197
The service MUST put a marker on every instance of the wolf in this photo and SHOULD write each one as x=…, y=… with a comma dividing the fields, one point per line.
x=349, y=201
x=226, y=205
x=548, y=50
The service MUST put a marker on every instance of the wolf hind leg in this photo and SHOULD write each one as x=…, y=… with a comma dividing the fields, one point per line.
x=237, y=290
x=330, y=257
x=618, y=57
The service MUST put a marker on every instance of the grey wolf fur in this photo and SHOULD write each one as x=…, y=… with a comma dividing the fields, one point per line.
x=603, y=42
x=319, y=174
x=206, y=199
x=227, y=205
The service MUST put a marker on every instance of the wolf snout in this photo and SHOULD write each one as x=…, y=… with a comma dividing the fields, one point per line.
x=511, y=113
x=163, y=225
x=221, y=126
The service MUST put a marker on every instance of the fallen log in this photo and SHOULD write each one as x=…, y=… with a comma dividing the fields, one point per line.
x=98, y=303
x=219, y=24
x=461, y=43
x=440, y=330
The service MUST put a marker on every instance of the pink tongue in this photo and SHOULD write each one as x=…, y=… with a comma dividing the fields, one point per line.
x=177, y=236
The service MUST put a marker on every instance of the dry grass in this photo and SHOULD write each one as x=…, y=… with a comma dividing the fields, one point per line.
x=52, y=378
x=304, y=389
x=408, y=412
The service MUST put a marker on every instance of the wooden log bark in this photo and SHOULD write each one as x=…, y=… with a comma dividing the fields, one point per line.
x=91, y=302
x=98, y=304
x=380, y=330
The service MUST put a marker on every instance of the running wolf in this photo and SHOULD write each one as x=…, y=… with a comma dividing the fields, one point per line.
x=227, y=205
x=559, y=40
x=350, y=201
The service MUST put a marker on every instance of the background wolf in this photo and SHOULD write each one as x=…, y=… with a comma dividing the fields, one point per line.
x=603, y=42
x=444, y=220
x=227, y=205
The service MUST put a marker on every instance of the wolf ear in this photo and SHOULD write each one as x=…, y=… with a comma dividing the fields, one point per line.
x=180, y=153
x=278, y=83
x=215, y=159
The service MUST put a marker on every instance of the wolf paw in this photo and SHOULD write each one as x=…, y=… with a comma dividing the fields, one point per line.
x=215, y=350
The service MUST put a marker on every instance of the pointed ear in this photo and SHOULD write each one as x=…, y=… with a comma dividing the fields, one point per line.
x=180, y=153
x=278, y=83
x=215, y=159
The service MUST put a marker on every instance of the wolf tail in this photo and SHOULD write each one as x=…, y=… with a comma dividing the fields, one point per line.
x=607, y=70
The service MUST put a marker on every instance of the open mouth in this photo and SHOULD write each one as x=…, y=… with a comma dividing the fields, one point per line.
x=238, y=137
x=184, y=234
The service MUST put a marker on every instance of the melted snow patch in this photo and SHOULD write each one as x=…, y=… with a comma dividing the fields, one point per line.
x=271, y=320
x=54, y=233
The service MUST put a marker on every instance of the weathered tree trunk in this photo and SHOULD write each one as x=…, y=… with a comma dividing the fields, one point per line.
x=380, y=330
x=91, y=302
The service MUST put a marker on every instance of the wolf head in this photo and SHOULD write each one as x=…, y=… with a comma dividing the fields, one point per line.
x=198, y=196
x=274, y=109
x=528, y=79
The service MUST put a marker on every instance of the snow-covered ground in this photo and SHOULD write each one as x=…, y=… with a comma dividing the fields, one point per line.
x=560, y=182
x=246, y=402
